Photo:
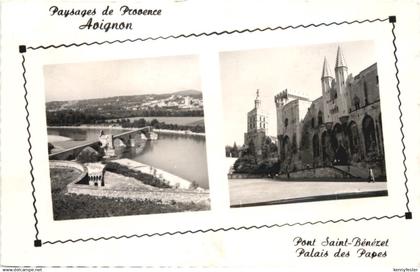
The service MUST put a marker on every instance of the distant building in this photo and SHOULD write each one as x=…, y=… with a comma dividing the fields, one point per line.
x=343, y=126
x=257, y=127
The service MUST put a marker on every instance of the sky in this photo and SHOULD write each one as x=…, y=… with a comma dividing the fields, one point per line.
x=272, y=70
x=75, y=81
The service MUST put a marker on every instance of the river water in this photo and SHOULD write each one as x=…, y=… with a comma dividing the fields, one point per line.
x=181, y=155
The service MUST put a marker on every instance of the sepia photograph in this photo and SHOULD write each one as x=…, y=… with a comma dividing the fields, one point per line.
x=126, y=137
x=303, y=124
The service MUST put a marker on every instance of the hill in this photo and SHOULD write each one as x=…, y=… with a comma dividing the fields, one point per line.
x=169, y=104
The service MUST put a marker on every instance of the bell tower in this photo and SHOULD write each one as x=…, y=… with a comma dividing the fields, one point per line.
x=257, y=100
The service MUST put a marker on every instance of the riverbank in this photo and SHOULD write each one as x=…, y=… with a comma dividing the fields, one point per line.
x=57, y=139
x=123, y=196
x=175, y=120
x=173, y=180
x=166, y=131
x=119, y=196
x=90, y=127
x=179, y=132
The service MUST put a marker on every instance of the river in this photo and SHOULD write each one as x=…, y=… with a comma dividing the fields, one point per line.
x=181, y=155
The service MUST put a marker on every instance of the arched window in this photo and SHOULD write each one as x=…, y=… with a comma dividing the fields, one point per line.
x=320, y=116
x=365, y=91
x=294, y=143
x=369, y=135
x=313, y=122
x=286, y=122
x=333, y=94
x=356, y=102
x=336, y=136
x=353, y=138
x=324, y=145
x=285, y=148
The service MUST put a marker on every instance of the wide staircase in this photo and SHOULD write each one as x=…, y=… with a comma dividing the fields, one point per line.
x=354, y=171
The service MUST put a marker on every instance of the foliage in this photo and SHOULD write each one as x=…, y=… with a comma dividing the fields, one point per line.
x=72, y=117
x=72, y=206
x=249, y=165
x=193, y=185
x=232, y=151
x=143, y=177
x=50, y=147
x=161, y=125
x=79, y=117
x=245, y=164
x=269, y=148
x=88, y=154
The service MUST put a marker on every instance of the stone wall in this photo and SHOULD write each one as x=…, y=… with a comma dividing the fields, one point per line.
x=323, y=173
x=71, y=165
x=244, y=176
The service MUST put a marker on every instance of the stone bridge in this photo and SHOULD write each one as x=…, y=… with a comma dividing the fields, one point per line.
x=127, y=138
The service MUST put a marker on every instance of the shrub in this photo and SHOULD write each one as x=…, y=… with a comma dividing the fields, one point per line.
x=194, y=185
x=245, y=164
x=50, y=147
x=88, y=154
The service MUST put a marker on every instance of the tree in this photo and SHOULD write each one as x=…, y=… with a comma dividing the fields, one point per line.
x=88, y=154
x=154, y=123
x=235, y=150
x=228, y=151
x=246, y=164
x=50, y=147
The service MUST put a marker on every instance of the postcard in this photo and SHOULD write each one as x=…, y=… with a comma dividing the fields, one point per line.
x=173, y=134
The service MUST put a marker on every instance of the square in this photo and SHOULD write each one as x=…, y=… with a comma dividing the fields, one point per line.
x=22, y=48
x=37, y=243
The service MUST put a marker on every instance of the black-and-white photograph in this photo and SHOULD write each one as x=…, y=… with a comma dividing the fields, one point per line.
x=303, y=124
x=126, y=137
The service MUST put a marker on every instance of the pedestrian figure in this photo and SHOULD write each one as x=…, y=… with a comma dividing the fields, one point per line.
x=371, y=175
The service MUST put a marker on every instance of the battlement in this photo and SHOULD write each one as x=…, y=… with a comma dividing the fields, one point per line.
x=284, y=96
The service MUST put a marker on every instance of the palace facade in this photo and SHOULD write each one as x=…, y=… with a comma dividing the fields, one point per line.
x=341, y=127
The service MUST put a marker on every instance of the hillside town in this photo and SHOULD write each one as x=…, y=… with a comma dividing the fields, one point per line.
x=180, y=101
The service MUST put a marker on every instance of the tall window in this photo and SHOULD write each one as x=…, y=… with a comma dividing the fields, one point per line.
x=365, y=91
x=356, y=102
x=315, y=145
x=369, y=134
x=353, y=135
x=320, y=115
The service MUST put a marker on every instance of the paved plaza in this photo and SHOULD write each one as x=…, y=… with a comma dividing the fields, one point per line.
x=249, y=192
